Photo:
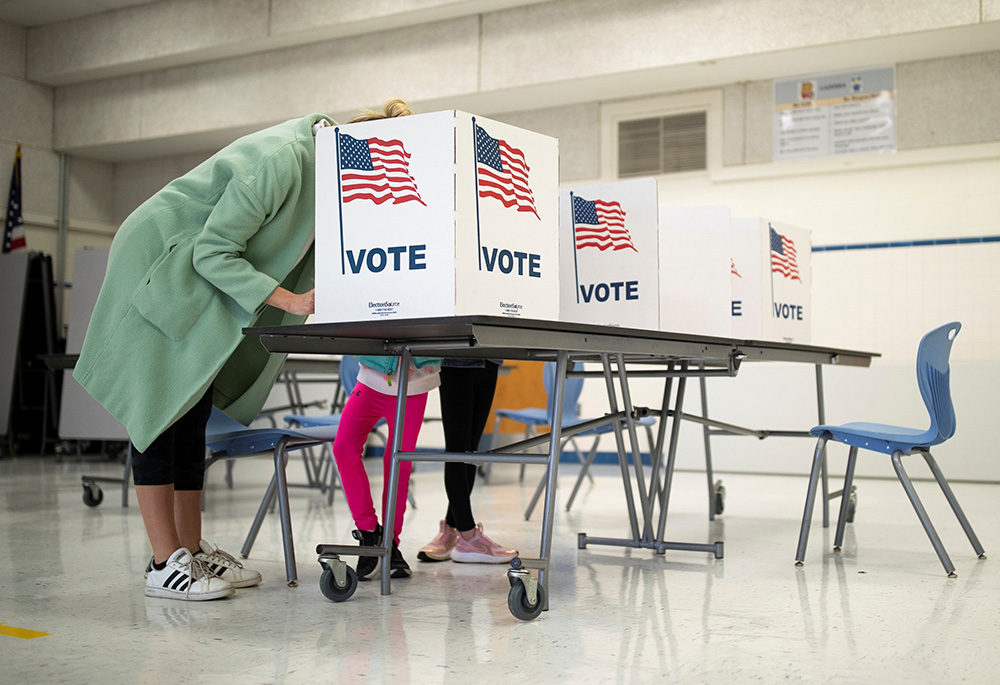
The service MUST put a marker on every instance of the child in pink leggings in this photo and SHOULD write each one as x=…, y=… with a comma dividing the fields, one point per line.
x=374, y=398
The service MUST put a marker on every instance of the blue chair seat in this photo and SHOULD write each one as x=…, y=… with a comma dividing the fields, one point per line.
x=532, y=416
x=878, y=437
x=227, y=437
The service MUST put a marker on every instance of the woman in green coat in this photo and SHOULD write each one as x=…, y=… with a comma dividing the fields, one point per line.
x=225, y=246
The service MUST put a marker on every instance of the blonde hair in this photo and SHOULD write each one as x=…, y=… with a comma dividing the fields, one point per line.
x=392, y=108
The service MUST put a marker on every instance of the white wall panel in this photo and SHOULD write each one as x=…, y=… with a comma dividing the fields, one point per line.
x=780, y=396
x=115, y=42
x=734, y=124
x=759, y=117
x=565, y=40
x=172, y=33
x=39, y=178
x=948, y=101
x=100, y=112
x=991, y=10
x=12, y=41
x=297, y=16
x=25, y=112
x=91, y=189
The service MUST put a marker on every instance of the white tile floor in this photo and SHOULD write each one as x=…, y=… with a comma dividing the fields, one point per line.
x=880, y=611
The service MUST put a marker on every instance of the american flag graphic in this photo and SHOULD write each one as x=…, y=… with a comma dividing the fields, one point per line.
x=377, y=170
x=503, y=172
x=732, y=269
x=783, y=259
x=13, y=234
x=600, y=224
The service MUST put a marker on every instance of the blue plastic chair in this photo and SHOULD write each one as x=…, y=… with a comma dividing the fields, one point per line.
x=227, y=438
x=933, y=373
x=534, y=417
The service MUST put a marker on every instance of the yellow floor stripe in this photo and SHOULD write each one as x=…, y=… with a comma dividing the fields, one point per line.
x=22, y=633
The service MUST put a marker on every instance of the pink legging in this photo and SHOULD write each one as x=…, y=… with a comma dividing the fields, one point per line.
x=363, y=410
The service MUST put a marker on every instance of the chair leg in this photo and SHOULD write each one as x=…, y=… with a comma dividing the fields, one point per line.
x=536, y=496
x=966, y=526
x=528, y=431
x=284, y=507
x=265, y=504
x=484, y=469
x=127, y=476
x=580, y=458
x=814, y=475
x=897, y=464
x=845, y=499
x=583, y=469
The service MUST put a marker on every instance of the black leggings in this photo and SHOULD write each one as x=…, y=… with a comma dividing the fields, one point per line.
x=466, y=397
x=177, y=456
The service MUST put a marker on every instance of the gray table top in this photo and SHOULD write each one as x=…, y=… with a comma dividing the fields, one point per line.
x=530, y=339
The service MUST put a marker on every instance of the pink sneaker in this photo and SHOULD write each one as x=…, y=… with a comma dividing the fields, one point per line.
x=481, y=550
x=439, y=549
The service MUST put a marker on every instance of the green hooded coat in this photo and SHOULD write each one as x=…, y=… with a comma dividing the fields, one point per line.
x=189, y=269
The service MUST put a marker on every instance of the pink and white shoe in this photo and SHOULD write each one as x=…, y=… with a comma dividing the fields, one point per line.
x=439, y=549
x=481, y=550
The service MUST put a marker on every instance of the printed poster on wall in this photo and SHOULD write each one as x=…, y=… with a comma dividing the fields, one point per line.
x=852, y=112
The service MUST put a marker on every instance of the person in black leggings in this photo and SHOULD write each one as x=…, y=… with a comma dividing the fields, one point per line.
x=467, y=387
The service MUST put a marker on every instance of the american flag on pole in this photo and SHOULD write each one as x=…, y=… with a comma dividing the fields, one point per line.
x=377, y=170
x=600, y=224
x=13, y=234
x=783, y=259
x=503, y=172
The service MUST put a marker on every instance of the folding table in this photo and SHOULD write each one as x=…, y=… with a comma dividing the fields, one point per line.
x=673, y=355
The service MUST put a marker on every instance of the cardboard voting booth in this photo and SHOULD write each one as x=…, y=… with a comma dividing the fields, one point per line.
x=771, y=281
x=438, y=214
x=695, y=288
x=608, y=254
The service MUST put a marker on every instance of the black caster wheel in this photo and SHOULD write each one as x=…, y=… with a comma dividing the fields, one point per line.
x=852, y=505
x=92, y=494
x=517, y=602
x=333, y=591
x=720, y=497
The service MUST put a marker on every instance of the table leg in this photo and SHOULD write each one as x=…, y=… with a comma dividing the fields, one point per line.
x=389, y=524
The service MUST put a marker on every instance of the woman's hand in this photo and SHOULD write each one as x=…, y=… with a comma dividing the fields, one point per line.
x=288, y=301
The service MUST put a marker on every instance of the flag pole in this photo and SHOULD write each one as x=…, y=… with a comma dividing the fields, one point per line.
x=475, y=173
x=340, y=204
x=770, y=263
x=576, y=272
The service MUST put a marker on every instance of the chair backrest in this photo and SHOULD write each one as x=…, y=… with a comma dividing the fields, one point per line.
x=350, y=365
x=571, y=397
x=220, y=423
x=933, y=373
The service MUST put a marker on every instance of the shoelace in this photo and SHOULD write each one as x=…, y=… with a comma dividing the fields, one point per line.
x=225, y=557
x=197, y=570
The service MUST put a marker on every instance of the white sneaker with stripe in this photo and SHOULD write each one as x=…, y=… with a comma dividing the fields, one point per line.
x=185, y=577
x=224, y=565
